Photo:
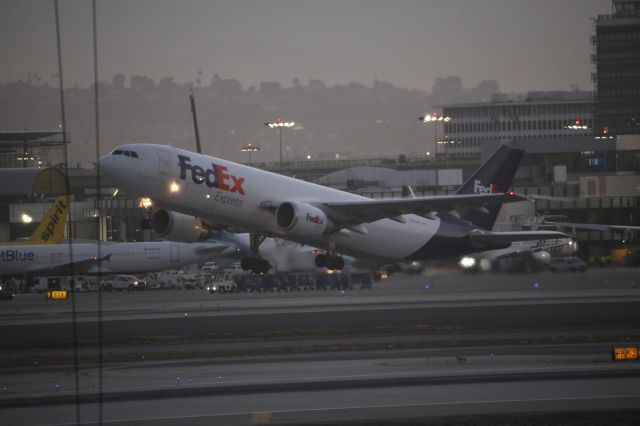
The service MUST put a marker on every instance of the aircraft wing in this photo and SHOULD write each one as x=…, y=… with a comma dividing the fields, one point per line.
x=348, y=213
x=79, y=267
x=220, y=249
x=594, y=227
x=503, y=238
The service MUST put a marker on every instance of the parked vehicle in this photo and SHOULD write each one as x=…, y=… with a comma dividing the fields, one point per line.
x=123, y=282
x=177, y=279
x=248, y=282
x=5, y=294
x=209, y=267
x=222, y=282
x=567, y=264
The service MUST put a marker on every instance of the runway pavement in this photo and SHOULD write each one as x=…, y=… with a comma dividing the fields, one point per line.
x=413, y=347
x=365, y=386
x=599, y=300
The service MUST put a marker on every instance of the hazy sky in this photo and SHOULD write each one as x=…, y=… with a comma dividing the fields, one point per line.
x=523, y=44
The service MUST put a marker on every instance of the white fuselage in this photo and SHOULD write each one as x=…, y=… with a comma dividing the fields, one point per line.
x=116, y=257
x=555, y=247
x=240, y=194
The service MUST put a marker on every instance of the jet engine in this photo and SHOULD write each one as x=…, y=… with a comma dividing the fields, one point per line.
x=542, y=257
x=301, y=219
x=179, y=227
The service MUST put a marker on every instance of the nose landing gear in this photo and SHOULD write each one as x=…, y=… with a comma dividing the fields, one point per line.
x=329, y=261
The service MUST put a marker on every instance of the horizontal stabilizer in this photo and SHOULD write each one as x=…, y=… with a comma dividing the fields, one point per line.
x=594, y=227
x=498, y=239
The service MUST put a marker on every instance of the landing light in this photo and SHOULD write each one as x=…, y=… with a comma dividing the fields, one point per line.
x=174, y=187
x=467, y=262
x=26, y=218
x=145, y=203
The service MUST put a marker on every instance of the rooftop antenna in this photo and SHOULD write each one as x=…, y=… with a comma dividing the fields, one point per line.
x=195, y=121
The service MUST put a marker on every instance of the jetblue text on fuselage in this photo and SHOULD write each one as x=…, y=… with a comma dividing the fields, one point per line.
x=214, y=177
x=16, y=256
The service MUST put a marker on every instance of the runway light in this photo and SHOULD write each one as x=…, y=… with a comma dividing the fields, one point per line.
x=427, y=286
x=536, y=285
x=624, y=353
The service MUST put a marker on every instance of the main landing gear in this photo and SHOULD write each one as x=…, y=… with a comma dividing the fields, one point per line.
x=330, y=261
x=255, y=263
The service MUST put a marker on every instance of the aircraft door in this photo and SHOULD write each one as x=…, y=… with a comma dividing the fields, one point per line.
x=174, y=253
x=165, y=165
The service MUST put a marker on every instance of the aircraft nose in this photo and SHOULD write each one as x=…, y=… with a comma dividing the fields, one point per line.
x=112, y=168
x=107, y=165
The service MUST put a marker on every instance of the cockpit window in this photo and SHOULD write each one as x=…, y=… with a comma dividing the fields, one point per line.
x=131, y=154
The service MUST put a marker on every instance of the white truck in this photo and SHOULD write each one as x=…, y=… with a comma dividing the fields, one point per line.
x=123, y=282
x=221, y=282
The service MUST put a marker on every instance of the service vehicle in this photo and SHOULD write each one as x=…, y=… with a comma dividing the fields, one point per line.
x=567, y=264
x=123, y=282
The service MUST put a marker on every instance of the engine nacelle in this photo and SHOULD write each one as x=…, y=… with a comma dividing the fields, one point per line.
x=301, y=219
x=542, y=257
x=178, y=227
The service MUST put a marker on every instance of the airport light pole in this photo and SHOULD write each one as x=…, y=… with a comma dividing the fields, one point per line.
x=435, y=118
x=250, y=148
x=280, y=124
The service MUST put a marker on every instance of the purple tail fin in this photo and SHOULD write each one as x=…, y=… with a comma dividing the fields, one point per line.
x=495, y=175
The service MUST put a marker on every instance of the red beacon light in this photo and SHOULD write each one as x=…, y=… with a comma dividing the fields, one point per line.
x=511, y=194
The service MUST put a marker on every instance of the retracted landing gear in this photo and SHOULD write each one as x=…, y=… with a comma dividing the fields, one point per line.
x=330, y=261
x=255, y=263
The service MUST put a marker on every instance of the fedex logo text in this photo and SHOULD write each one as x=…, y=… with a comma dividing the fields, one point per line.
x=478, y=188
x=314, y=219
x=214, y=177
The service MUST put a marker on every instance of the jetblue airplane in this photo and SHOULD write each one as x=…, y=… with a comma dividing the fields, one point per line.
x=540, y=251
x=56, y=260
x=239, y=197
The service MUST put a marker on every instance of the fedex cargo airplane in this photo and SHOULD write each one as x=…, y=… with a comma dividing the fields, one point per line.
x=225, y=194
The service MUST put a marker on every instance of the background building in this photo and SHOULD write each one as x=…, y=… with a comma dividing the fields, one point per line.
x=555, y=128
x=29, y=148
x=617, y=77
